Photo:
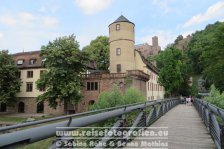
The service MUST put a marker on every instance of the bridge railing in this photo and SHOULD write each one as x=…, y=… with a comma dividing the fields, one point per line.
x=213, y=118
x=147, y=113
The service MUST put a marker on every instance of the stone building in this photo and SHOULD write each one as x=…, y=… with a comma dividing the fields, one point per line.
x=126, y=65
x=128, y=68
x=147, y=49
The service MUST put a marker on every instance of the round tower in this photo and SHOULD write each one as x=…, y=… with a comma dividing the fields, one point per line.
x=122, y=44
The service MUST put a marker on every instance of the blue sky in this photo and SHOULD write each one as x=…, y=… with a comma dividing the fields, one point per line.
x=26, y=25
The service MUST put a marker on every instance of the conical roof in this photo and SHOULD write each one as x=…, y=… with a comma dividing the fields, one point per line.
x=122, y=19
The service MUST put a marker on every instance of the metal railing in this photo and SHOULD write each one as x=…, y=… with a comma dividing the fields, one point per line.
x=148, y=112
x=213, y=118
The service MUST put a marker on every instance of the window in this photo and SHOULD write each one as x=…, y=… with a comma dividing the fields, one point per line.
x=20, y=62
x=118, y=51
x=92, y=86
x=42, y=89
x=32, y=61
x=118, y=68
x=19, y=74
x=21, y=107
x=117, y=27
x=29, y=86
x=40, y=107
x=3, y=107
x=29, y=74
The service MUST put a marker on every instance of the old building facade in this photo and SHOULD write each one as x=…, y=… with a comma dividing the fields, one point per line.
x=128, y=68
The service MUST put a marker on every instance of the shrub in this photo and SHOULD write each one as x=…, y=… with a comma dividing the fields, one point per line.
x=216, y=97
x=117, y=98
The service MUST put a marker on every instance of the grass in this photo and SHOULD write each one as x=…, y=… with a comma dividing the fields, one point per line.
x=12, y=119
x=44, y=144
x=20, y=119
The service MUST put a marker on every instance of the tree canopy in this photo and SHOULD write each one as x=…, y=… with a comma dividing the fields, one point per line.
x=98, y=51
x=64, y=63
x=174, y=72
x=9, y=80
x=206, y=54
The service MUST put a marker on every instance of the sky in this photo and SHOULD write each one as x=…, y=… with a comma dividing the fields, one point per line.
x=26, y=25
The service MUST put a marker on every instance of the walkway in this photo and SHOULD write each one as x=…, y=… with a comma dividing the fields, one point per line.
x=185, y=129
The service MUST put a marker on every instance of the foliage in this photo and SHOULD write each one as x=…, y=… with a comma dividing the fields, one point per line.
x=216, y=97
x=116, y=98
x=180, y=37
x=206, y=54
x=64, y=63
x=9, y=80
x=174, y=72
x=98, y=51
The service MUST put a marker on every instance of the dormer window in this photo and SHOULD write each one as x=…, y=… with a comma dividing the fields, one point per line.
x=32, y=61
x=20, y=62
x=118, y=27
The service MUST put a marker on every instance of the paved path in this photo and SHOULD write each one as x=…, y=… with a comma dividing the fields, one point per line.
x=185, y=129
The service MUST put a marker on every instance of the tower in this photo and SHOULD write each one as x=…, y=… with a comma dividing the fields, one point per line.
x=122, y=41
x=155, y=41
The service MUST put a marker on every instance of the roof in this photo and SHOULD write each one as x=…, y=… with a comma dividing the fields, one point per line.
x=26, y=56
x=148, y=64
x=122, y=19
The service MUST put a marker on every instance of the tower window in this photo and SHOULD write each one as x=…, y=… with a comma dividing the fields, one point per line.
x=118, y=51
x=118, y=68
x=118, y=27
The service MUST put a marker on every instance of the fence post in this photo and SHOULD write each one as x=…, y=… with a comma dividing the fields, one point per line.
x=222, y=136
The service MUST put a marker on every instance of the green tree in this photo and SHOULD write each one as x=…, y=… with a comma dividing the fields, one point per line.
x=206, y=54
x=98, y=51
x=174, y=72
x=9, y=80
x=64, y=63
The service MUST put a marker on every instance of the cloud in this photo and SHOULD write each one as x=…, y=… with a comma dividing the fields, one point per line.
x=50, y=21
x=214, y=11
x=91, y=7
x=164, y=5
x=7, y=20
x=1, y=35
x=28, y=31
x=49, y=7
x=25, y=19
x=164, y=38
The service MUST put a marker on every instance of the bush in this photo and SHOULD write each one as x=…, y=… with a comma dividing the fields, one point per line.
x=216, y=97
x=117, y=98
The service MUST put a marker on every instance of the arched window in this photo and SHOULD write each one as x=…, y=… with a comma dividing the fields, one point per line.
x=21, y=107
x=91, y=102
x=40, y=107
x=3, y=107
